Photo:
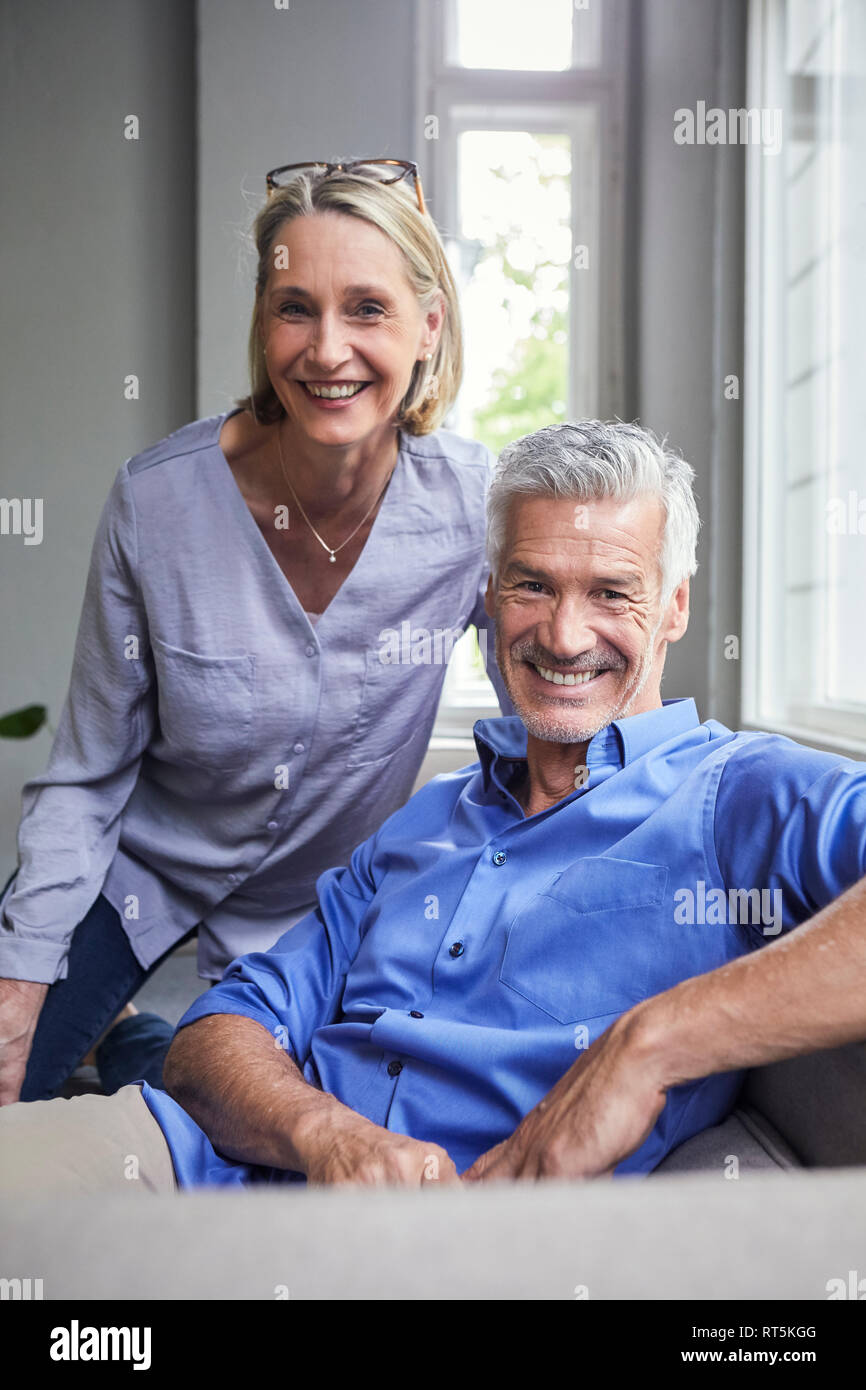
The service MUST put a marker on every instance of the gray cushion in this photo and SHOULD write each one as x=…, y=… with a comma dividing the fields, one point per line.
x=745, y=1136
x=818, y=1102
x=781, y=1235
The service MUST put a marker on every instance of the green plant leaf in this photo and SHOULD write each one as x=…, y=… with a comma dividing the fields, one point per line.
x=21, y=723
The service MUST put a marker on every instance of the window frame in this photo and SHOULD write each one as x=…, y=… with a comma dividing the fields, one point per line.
x=488, y=98
x=832, y=728
x=440, y=87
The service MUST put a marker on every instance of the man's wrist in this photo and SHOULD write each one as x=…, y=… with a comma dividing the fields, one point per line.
x=651, y=1040
x=312, y=1127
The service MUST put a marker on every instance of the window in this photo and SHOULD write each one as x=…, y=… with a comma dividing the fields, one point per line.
x=804, y=668
x=523, y=118
x=501, y=34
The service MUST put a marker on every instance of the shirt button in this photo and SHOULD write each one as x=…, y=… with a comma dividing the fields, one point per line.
x=273, y=825
x=500, y=857
x=456, y=949
x=395, y=1068
x=298, y=748
x=233, y=878
x=309, y=651
x=415, y=1013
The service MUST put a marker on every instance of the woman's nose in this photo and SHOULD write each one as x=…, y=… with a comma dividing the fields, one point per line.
x=328, y=346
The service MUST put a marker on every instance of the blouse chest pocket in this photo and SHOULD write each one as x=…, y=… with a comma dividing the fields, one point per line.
x=586, y=945
x=399, y=694
x=205, y=707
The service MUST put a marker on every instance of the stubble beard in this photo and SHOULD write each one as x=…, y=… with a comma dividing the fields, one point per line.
x=552, y=729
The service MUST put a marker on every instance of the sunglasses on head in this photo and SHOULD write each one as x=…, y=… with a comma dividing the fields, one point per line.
x=383, y=170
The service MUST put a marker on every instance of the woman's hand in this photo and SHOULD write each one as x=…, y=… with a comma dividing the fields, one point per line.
x=20, y=1006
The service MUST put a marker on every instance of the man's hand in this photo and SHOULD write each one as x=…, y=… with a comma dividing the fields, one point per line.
x=339, y=1146
x=599, y=1112
x=20, y=1006
x=252, y=1101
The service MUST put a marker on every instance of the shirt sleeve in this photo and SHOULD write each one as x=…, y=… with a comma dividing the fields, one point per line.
x=486, y=625
x=70, y=821
x=792, y=821
x=297, y=985
x=487, y=641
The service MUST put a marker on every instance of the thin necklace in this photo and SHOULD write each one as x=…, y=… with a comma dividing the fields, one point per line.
x=332, y=552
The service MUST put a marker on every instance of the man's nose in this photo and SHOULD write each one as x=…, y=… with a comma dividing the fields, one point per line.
x=567, y=632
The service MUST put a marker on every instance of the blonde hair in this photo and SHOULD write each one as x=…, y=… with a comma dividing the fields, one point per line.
x=393, y=209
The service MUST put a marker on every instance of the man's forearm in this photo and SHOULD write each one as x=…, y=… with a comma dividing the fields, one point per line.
x=803, y=992
x=247, y=1094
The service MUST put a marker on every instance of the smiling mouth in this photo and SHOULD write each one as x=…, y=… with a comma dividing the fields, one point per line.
x=340, y=390
x=567, y=677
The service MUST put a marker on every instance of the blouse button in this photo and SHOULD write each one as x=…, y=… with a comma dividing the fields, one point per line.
x=298, y=748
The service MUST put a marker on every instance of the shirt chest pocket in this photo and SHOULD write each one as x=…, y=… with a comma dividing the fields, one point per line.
x=205, y=707
x=586, y=945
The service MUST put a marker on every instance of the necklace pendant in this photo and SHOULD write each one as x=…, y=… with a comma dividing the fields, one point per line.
x=332, y=557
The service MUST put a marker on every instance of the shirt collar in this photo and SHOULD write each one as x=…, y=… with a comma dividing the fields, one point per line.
x=620, y=742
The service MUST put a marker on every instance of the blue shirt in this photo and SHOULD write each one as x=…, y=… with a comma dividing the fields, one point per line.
x=455, y=967
x=217, y=752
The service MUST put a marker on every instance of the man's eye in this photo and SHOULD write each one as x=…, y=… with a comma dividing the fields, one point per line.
x=535, y=585
x=612, y=593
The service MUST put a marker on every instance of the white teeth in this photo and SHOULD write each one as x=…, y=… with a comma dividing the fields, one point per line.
x=333, y=393
x=571, y=678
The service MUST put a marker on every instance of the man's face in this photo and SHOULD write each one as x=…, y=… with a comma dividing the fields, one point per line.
x=580, y=636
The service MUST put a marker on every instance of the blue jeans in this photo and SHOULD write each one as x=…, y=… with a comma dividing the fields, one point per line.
x=103, y=975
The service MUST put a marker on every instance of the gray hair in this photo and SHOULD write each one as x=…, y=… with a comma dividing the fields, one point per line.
x=600, y=458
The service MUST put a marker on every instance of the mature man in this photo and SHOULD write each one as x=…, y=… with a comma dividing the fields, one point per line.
x=557, y=961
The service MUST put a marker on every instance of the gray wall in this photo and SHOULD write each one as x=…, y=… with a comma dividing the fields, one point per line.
x=322, y=79
x=689, y=221
x=97, y=237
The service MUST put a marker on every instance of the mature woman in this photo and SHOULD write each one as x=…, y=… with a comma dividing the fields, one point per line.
x=241, y=712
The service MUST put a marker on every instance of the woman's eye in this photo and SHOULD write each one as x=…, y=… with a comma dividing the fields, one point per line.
x=291, y=308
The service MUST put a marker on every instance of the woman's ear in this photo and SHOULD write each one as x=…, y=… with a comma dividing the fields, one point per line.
x=435, y=318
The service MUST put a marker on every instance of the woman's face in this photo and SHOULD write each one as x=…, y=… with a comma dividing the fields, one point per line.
x=338, y=311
